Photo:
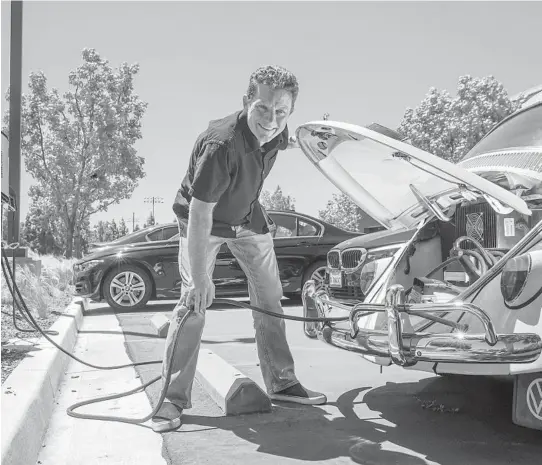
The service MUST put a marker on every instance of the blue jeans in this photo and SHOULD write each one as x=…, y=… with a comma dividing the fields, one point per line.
x=256, y=256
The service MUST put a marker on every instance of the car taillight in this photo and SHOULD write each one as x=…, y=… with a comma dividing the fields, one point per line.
x=521, y=279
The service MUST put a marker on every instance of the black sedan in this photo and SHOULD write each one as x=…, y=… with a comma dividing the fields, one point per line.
x=129, y=275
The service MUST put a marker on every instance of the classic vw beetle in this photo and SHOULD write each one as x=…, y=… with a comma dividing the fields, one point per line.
x=454, y=285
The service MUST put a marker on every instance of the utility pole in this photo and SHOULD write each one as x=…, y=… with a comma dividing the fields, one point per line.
x=153, y=200
x=15, y=88
x=133, y=221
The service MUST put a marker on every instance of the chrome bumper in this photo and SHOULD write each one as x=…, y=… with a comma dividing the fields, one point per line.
x=406, y=349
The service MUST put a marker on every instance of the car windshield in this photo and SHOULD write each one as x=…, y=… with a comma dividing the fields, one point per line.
x=522, y=130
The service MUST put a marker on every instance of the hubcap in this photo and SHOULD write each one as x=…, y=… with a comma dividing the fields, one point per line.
x=127, y=289
x=318, y=277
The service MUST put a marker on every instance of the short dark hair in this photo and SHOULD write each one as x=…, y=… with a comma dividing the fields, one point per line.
x=275, y=77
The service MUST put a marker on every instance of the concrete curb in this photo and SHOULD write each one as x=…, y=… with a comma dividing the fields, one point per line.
x=234, y=392
x=29, y=393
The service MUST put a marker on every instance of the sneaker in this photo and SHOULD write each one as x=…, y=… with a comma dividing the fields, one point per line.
x=168, y=418
x=299, y=395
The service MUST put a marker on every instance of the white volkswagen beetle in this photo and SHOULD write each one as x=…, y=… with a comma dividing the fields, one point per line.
x=454, y=285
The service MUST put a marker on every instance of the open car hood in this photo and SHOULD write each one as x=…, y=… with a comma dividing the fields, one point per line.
x=395, y=183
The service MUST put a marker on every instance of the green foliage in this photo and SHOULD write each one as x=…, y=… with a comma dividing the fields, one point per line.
x=79, y=147
x=114, y=230
x=43, y=294
x=150, y=221
x=106, y=231
x=42, y=221
x=449, y=126
x=123, y=229
x=340, y=211
x=277, y=200
x=101, y=230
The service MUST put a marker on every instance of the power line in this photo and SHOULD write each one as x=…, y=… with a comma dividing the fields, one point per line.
x=153, y=200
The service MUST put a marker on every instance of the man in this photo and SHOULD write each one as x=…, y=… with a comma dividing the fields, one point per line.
x=216, y=203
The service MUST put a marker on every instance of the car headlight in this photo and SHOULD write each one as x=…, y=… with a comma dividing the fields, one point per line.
x=521, y=279
x=79, y=267
x=375, y=264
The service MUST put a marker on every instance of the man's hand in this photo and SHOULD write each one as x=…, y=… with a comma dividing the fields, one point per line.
x=201, y=294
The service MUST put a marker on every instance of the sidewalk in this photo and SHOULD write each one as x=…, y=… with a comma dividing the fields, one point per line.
x=88, y=442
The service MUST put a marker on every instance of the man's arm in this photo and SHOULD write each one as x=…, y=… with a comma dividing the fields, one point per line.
x=200, y=223
x=211, y=179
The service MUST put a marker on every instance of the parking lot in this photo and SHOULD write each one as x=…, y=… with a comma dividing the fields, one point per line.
x=390, y=417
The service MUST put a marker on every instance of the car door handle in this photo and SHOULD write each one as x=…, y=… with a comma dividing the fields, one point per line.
x=303, y=243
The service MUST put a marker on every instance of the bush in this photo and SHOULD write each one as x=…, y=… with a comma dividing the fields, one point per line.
x=42, y=294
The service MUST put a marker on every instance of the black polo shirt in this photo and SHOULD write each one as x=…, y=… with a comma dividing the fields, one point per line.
x=228, y=166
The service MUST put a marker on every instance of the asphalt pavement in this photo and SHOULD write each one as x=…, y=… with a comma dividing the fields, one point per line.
x=391, y=417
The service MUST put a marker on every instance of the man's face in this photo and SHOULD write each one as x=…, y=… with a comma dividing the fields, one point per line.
x=268, y=112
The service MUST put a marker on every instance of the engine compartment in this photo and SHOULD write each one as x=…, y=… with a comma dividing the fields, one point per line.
x=445, y=258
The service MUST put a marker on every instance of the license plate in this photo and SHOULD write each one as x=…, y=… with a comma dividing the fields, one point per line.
x=335, y=278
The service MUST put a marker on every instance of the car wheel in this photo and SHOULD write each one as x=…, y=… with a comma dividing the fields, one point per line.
x=316, y=272
x=127, y=287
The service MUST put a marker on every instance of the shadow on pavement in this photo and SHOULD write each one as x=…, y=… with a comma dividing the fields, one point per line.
x=124, y=333
x=448, y=420
x=405, y=432
x=102, y=308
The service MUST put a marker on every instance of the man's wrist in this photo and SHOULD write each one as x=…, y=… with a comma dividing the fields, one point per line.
x=199, y=278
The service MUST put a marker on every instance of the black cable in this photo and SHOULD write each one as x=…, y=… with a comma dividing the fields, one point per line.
x=22, y=330
x=281, y=315
x=7, y=272
x=17, y=306
x=70, y=410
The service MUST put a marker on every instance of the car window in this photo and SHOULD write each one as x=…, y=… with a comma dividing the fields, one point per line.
x=286, y=225
x=306, y=229
x=293, y=226
x=162, y=234
x=170, y=231
x=174, y=238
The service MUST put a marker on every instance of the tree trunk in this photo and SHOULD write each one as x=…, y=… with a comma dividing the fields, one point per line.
x=77, y=241
x=69, y=240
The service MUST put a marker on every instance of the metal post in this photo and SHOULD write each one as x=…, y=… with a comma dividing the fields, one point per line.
x=15, y=84
x=153, y=200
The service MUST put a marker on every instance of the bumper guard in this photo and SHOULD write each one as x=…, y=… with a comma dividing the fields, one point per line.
x=406, y=349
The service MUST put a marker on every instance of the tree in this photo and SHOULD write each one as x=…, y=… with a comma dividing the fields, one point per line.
x=149, y=221
x=277, y=200
x=123, y=229
x=113, y=228
x=42, y=220
x=449, y=126
x=108, y=233
x=99, y=231
x=79, y=147
x=30, y=232
x=340, y=211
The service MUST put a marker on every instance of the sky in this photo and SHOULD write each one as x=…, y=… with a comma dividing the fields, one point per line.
x=361, y=62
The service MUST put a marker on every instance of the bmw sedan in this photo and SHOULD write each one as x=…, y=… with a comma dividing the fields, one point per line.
x=129, y=275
